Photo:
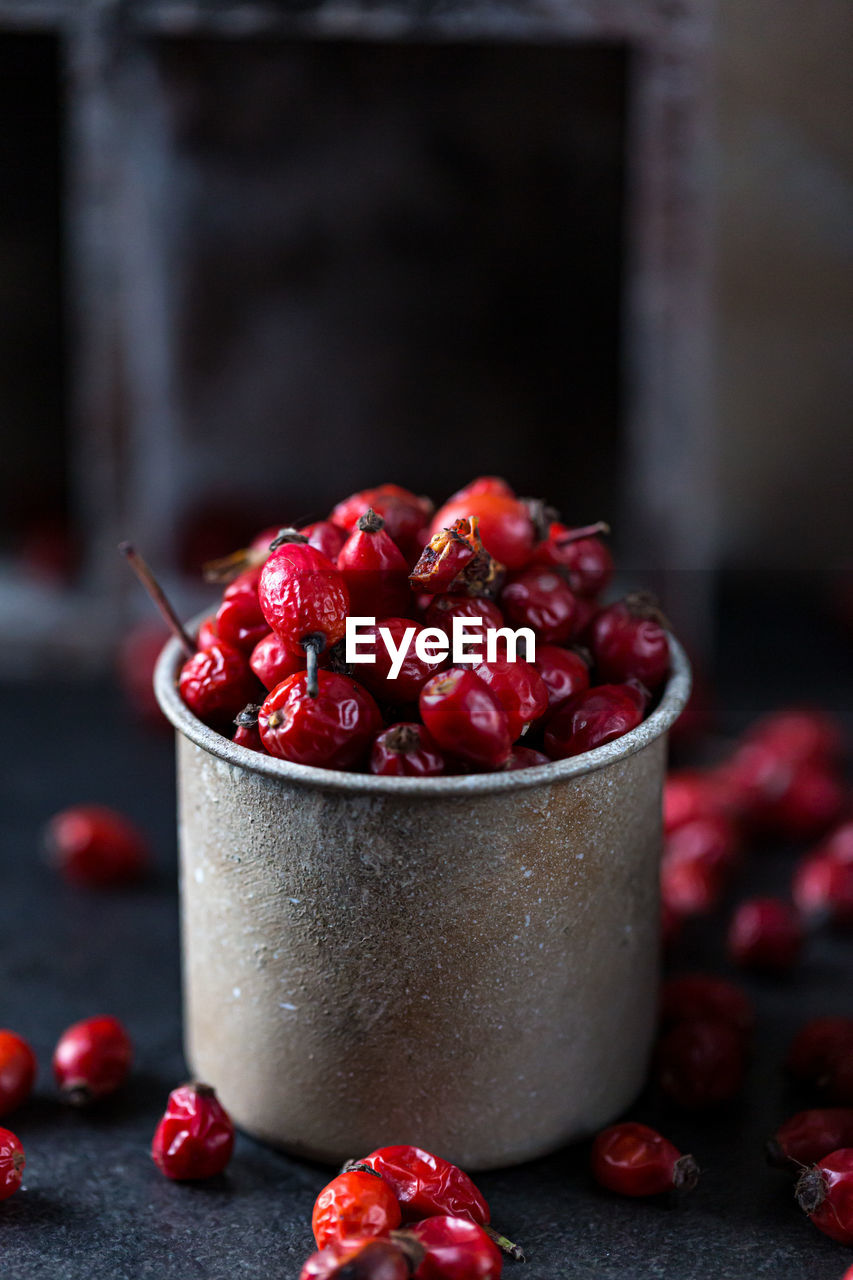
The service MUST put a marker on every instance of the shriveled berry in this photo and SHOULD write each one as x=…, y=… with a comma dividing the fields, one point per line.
x=406, y=750
x=303, y=596
x=700, y=1062
x=634, y=1160
x=357, y=1203
x=810, y=1135
x=216, y=684
x=93, y=845
x=426, y=1185
x=360, y=1259
x=195, y=1137
x=825, y=1193
x=626, y=642
x=12, y=1162
x=520, y=690
x=563, y=672
x=765, y=933
x=17, y=1071
x=331, y=730
x=703, y=995
x=586, y=561
x=465, y=718
x=540, y=598
x=272, y=661
x=455, y=1249
x=92, y=1059
x=246, y=733
x=455, y=561
x=239, y=620
x=590, y=719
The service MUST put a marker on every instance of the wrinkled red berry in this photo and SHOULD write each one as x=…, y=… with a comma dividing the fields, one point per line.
x=331, y=730
x=703, y=995
x=357, y=1203
x=247, y=734
x=700, y=1062
x=765, y=933
x=92, y=1059
x=443, y=609
x=540, y=598
x=505, y=525
x=810, y=1135
x=587, y=562
x=239, y=620
x=195, y=1137
x=303, y=596
x=455, y=561
x=359, y=1259
x=414, y=671
x=12, y=1161
x=563, y=672
x=94, y=845
x=825, y=1193
x=406, y=751
x=405, y=515
x=634, y=1160
x=591, y=718
x=426, y=1185
x=465, y=718
x=455, y=1249
x=625, y=642
x=216, y=684
x=520, y=690
x=273, y=661
x=17, y=1071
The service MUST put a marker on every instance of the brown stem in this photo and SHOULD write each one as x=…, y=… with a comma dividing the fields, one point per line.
x=506, y=1246
x=586, y=531
x=248, y=717
x=285, y=536
x=685, y=1174
x=313, y=646
x=370, y=522
x=157, y=594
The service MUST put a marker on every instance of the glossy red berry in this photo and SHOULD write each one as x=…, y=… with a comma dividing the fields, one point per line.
x=482, y=485
x=817, y=1046
x=822, y=889
x=326, y=537
x=591, y=718
x=455, y=1249
x=273, y=661
x=540, y=598
x=17, y=1071
x=372, y=1258
x=91, y=844
x=92, y=1059
x=405, y=514
x=810, y=1135
x=586, y=561
x=634, y=1160
x=765, y=933
x=465, y=718
x=698, y=858
x=12, y=1162
x=406, y=751
x=303, y=596
x=794, y=799
x=520, y=690
x=246, y=733
x=332, y=730
x=700, y=1063
x=693, y=793
x=825, y=1193
x=216, y=684
x=525, y=758
x=414, y=671
x=207, y=634
x=704, y=996
x=506, y=528
x=443, y=609
x=563, y=672
x=426, y=1185
x=375, y=571
x=626, y=642
x=357, y=1203
x=689, y=888
x=195, y=1137
x=801, y=733
x=239, y=620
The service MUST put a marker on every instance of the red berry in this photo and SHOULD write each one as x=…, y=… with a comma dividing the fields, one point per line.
x=443, y=609
x=92, y=1059
x=426, y=1185
x=357, y=1203
x=591, y=718
x=701, y=1063
x=93, y=845
x=325, y=537
x=810, y=1135
x=540, y=598
x=634, y=1160
x=520, y=690
x=796, y=799
x=195, y=1137
x=691, y=793
x=825, y=1193
x=239, y=620
x=465, y=718
x=506, y=528
x=822, y=889
x=375, y=571
x=455, y=1249
x=626, y=642
x=12, y=1161
x=587, y=561
x=765, y=933
x=331, y=730
x=698, y=858
x=17, y=1071
x=361, y=1259
x=404, y=513
x=702, y=995
x=484, y=484
x=526, y=758
x=414, y=672
x=273, y=662
x=816, y=1046
x=207, y=634
x=247, y=733
x=689, y=888
x=303, y=596
x=406, y=750
x=839, y=845
x=564, y=673
x=216, y=684
x=455, y=560
x=801, y=733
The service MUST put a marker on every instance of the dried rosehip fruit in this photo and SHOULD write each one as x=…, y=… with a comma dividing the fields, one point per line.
x=357, y=1203
x=17, y=1071
x=810, y=1135
x=331, y=729
x=239, y=620
x=590, y=719
x=465, y=718
x=426, y=1185
x=525, y=758
x=363, y=1259
x=634, y=1160
x=272, y=661
x=413, y=673
x=405, y=515
x=520, y=690
x=406, y=751
x=195, y=1137
x=541, y=599
x=455, y=1249
x=94, y=845
x=825, y=1193
x=506, y=528
x=12, y=1162
x=303, y=597
x=216, y=684
x=563, y=672
x=375, y=570
x=628, y=640
x=92, y=1059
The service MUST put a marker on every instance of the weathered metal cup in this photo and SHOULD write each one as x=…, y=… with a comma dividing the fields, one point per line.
x=466, y=963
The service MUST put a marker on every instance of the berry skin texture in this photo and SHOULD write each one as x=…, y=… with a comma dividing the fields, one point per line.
x=810, y=1135
x=272, y=662
x=427, y=1186
x=590, y=719
x=195, y=1137
x=216, y=684
x=455, y=1249
x=520, y=690
x=766, y=934
x=587, y=561
x=563, y=672
x=324, y=536
x=12, y=1162
x=331, y=731
x=302, y=594
x=358, y=1259
x=239, y=620
x=625, y=644
x=406, y=751
x=701, y=995
x=413, y=674
x=465, y=718
x=505, y=525
x=634, y=1160
x=17, y=1071
x=405, y=514
x=825, y=1193
x=90, y=844
x=701, y=1063
x=540, y=598
x=374, y=570
x=356, y=1203
x=92, y=1059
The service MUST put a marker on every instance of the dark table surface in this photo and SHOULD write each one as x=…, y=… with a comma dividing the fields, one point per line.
x=93, y=1203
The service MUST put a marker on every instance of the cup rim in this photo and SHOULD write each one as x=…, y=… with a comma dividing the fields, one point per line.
x=671, y=704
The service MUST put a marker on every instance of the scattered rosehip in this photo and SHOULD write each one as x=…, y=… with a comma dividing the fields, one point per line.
x=357, y=1203
x=91, y=844
x=634, y=1160
x=767, y=934
x=810, y=1135
x=825, y=1193
x=455, y=1249
x=427, y=1186
x=702, y=995
x=12, y=1162
x=701, y=1063
x=17, y=1071
x=92, y=1060
x=372, y=1258
x=698, y=859
x=195, y=1137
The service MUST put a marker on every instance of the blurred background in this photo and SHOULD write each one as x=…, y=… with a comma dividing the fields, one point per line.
x=252, y=260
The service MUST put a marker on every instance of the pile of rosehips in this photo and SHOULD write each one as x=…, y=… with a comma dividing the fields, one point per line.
x=272, y=662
